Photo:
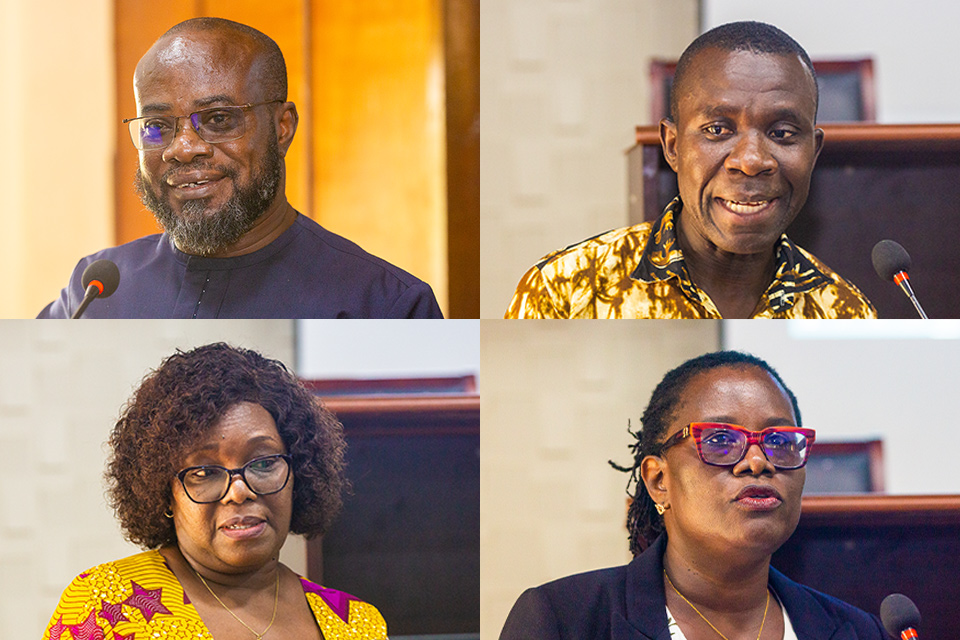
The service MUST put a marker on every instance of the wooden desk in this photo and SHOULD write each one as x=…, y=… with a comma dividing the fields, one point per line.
x=408, y=540
x=872, y=182
x=862, y=548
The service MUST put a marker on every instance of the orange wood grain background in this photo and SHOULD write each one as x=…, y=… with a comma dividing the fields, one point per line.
x=387, y=152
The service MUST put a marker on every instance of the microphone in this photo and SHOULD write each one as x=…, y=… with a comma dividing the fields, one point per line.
x=900, y=616
x=891, y=261
x=100, y=279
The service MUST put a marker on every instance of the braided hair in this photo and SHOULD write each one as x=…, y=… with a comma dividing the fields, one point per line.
x=643, y=522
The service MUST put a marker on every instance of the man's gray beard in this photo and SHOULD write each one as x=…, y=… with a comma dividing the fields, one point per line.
x=198, y=231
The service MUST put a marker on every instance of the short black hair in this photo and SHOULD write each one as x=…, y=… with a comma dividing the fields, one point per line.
x=643, y=521
x=756, y=37
x=274, y=66
x=174, y=408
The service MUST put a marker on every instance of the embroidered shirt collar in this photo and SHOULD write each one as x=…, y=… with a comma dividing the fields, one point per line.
x=662, y=259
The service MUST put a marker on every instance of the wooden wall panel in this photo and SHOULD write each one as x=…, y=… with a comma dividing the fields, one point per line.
x=285, y=22
x=138, y=24
x=370, y=158
x=379, y=119
x=408, y=539
x=462, y=47
x=862, y=548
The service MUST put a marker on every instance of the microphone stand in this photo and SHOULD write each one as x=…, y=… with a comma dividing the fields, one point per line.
x=91, y=293
x=903, y=281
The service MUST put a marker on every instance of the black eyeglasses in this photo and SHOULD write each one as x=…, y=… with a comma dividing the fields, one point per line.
x=725, y=445
x=211, y=482
x=213, y=125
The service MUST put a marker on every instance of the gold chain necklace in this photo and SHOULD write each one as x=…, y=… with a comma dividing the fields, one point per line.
x=276, y=601
x=677, y=591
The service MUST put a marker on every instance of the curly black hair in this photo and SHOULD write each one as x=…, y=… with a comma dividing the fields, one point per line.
x=643, y=522
x=177, y=404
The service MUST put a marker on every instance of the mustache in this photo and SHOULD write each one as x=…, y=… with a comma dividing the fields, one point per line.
x=196, y=166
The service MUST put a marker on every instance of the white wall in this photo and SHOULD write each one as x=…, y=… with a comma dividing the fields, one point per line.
x=61, y=388
x=60, y=128
x=556, y=400
x=387, y=349
x=562, y=86
x=914, y=45
x=893, y=379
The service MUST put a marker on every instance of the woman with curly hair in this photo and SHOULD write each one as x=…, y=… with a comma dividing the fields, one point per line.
x=219, y=454
x=717, y=476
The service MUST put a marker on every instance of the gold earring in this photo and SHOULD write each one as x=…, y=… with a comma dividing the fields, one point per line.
x=169, y=514
x=659, y=507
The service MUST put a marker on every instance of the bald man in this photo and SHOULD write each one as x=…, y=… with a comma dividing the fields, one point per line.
x=212, y=131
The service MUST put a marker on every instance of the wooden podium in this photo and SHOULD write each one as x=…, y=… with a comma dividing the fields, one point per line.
x=861, y=548
x=872, y=182
x=408, y=540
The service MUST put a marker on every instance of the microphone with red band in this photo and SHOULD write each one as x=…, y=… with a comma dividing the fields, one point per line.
x=900, y=616
x=100, y=279
x=891, y=262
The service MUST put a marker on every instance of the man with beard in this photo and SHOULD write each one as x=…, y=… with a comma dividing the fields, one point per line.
x=743, y=141
x=214, y=126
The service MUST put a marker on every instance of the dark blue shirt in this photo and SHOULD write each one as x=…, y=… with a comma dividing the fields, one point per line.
x=308, y=272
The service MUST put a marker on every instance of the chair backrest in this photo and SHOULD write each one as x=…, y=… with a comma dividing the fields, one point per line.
x=845, y=467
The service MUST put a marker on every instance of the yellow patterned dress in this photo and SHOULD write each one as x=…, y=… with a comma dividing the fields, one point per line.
x=139, y=598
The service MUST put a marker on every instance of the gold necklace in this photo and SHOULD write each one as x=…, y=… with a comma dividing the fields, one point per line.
x=276, y=601
x=677, y=591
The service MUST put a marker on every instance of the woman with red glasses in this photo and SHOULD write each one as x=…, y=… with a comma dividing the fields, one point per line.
x=717, y=475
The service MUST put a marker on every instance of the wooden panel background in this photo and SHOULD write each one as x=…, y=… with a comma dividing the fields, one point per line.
x=862, y=548
x=871, y=182
x=408, y=539
x=462, y=44
x=370, y=158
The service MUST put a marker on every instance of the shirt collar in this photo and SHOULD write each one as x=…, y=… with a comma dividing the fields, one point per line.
x=662, y=259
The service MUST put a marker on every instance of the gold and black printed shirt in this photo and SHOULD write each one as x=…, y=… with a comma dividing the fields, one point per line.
x=639, y=272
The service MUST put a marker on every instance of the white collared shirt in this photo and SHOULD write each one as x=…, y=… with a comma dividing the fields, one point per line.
x=677, y=634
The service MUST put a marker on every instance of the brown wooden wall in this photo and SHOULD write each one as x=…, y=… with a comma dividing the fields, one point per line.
x=861, y=548
x=871, y=182
x=408, y=539
x=387, y=153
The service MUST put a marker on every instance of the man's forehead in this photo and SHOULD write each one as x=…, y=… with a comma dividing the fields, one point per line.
x=198, y=47
x=715, y=70
x=712, y=61
x=199, y=64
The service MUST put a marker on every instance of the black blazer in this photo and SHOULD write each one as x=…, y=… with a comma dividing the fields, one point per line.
x=628, y=603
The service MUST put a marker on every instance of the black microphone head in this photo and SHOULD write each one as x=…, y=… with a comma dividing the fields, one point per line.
x=898, y=612
x=104, y=271
x=889, y=259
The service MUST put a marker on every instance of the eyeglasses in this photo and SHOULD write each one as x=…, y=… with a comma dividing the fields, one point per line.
x=211, y=482
x=213, y=125
x=724, y=445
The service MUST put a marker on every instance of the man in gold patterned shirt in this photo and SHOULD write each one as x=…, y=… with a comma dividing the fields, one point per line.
x=742, y=139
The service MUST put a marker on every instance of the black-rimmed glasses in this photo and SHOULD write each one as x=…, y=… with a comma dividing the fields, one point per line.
x=211, y=482
x=213, y=125
x=724, y=445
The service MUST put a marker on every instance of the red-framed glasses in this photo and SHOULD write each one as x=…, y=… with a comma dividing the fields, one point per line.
x=723, y=445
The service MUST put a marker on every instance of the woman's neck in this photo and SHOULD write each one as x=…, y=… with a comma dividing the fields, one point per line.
x=729, y=583
x=188, y=568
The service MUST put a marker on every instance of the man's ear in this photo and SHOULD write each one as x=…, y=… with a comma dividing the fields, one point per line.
x=653, y=473
x=818, y=141
x=286, y=126
x=668, y=141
